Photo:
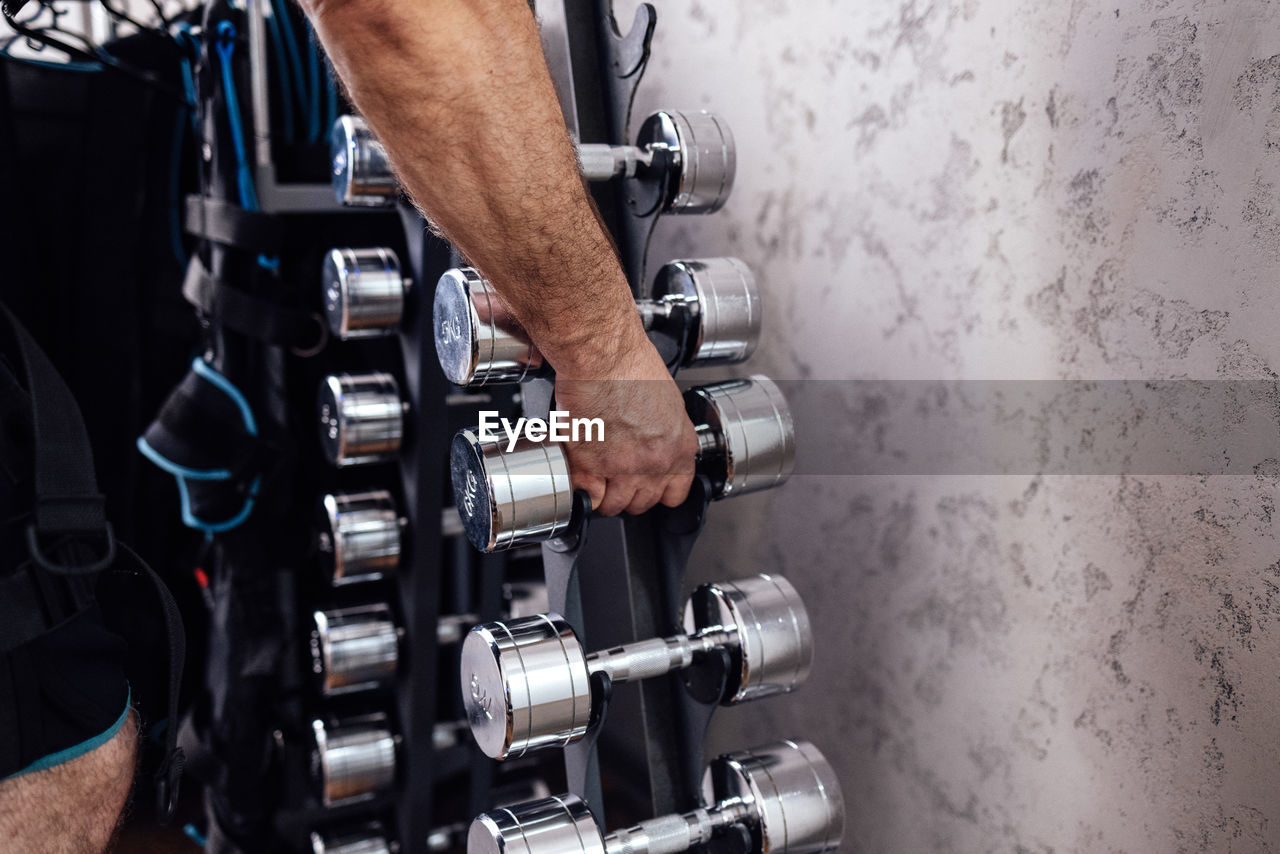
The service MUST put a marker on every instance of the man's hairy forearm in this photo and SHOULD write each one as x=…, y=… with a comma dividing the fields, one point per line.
x=459, y=94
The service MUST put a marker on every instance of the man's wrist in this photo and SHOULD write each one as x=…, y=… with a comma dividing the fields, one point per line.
x=602, y=353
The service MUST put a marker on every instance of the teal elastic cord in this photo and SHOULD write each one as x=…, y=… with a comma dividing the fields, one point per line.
x=78, y=750
x=244, y=176
x=294, y=55
x=282, y=77
x=244, y=179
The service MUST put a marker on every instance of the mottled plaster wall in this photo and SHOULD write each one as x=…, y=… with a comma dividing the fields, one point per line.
x=978, y=189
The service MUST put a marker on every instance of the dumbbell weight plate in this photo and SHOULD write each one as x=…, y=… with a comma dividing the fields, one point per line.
x=793, y=791
x=354, y=762
x=354, y=648
x=722, y=293
x=351, y=844
x=556, y=825
x=363, y=292
x=775, y=642
x=509, y=499
x=362, y=174
x=359, y=536
x=758, y=443
x=476, y=328
x=525, y=685
x=703, y=179
x=361, y=418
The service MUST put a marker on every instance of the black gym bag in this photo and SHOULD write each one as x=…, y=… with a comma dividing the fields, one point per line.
x=77, y=608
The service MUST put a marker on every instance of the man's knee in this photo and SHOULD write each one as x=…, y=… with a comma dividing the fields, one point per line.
x=72, y=808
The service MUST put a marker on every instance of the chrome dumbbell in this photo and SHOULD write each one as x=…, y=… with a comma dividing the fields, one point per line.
x=526, y=684
x=691, y=156
x=357, y=648
x=361, y=172
x=357, y=761
x=374, y=840
x=785, y=795
x=353, y=762
x=353, y=649
x=703, y=312
x=364, y=292
x=746, y=443
x=361, y=418
x=367, y=841
x=359, y=536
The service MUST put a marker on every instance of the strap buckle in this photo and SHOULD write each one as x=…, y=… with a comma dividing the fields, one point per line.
x=168, y=779
x=42, y=560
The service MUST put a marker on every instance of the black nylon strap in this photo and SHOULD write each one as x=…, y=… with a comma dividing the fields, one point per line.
x=168, y=775
x=13, y=7
x=257, y=318
x=222, y=222
x=67, y=500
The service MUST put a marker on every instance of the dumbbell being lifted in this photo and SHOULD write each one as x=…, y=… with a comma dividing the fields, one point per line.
x=526, y=683
x=689, y=159
x=746, y=442
x=785, y=796
x=703, y=312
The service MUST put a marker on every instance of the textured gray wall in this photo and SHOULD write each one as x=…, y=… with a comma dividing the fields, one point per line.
x=978, y=189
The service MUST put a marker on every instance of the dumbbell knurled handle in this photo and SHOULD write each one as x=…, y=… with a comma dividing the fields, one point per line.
x=654, y=657
x=602, y=162
x=672, y=834
x=669, y=834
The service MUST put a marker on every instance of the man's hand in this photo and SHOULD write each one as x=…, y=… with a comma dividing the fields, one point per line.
x=648, y=452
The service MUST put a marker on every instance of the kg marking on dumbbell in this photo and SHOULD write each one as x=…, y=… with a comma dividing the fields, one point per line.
x=526, y=684
x=785, y=796
x=746, y=443
x=703, y=312
x=690, y=156
x=357, y=761
x=358, y=648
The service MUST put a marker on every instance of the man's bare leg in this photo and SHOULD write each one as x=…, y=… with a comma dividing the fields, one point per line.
x=72, y=808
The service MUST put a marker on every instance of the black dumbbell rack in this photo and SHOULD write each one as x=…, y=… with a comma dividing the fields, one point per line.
x=622, y=581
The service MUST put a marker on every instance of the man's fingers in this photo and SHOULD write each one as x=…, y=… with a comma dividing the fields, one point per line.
x=593, y=484
x=677, y=490
x=617, y=496
x=645, y=497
